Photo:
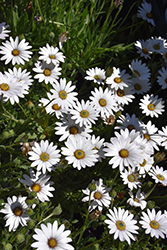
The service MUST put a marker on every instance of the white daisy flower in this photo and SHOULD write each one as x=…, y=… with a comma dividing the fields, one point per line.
x=15, y=212
x=84, y=113
x=140, y=86
x=119, y=79
x=104, y=101
x=99, y=197
x=143, y=49
x=159, y=175
x=162, y=80
x=121, y=224
x=51, y=237
x=49, y=54
x=130, y=122
x=144, y=12
x=137, y=200
x=124, y=96
x=63, y=94
x=46, y=72
x=40, y=184
x=163, y=135
x=96, y=74
x=99, y=145
x=144, y=167
x=130, y=178
x=157, y=44
x=11, y=88
x=15, y=51
x=68, y=128
x=152, y=105
x=154, y=223
x=139, y=69
x=80, y=153
x=124, y=152
x=3, y=30
x=20, y=75
x=44, y=156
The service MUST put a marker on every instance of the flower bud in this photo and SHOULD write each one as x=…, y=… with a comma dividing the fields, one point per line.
x=8, y=246
x=31, y=223
x=20, y=238
x=92, y=186
x=150, y=204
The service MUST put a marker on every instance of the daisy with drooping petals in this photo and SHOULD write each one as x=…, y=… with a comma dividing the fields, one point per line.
x=15, y=212
x=40, y=184
x=20, y=75
x=84, y=113
x=137, y=200
x=143, y=48
x=96, y=74
x=159, y=175
x=139, y=69
x=15, y=51
x=44, y=156
x=162, y=80
x=121, y=224
x=80, y=153
x=46, y=72
x=51, y=237
x=99, y=197
x=49, y=54
x=130, y=178
x=140, y=86
x=144, y=12
x=152, y=105
x=63, y=93
x=157, y=45
x=154, y=223
x=67, y=127
x=104, y=101
x=3, y=30
x=119, y=79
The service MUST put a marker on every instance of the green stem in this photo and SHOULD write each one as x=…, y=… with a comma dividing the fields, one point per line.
x=146, y=242
x=22, y=109
x=150, y=191
x=97, y=241
x=39, y=8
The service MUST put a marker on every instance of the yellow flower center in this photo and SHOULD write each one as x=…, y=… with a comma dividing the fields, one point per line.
x=123, y=153
x=17, y=211
x=97, y=195
x=137, y=72
x=149, y=15
x=156, y=46
x=15, y=52
x=120, y=225
x=130, y=127
x=136, y=200
x=63, y=94
x=97, y=77
x=151, y=107
x=44, y=157
x=144, y=163
x=137, y=86
x=154, y=224
x=145, y=51
x=146, y=137
x=84, y=113
x=36, y=187
x=52, y=57
x=131, y=178
x=117, y=79
x=56, y=106
x=73, y=130
x=102, y=102
x=160, y=177
x=4, y=86
x=79, y=154
x=120, y=92
x=47, y=72
x=52, y=243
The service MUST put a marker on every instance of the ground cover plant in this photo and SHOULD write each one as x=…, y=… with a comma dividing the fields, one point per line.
x=83, y=125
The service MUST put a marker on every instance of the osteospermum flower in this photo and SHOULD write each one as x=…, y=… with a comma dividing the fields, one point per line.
x=96, y=74
x=20, y=75
x=144, y=167
x=124, y=96
x=130, y=122
x=104, y=101
x=51, y=237
x=159, y=175
x=63, y=93
x=157, y=45
x=44, y=156
x=80, y=153
x=84, y=113
x=140, y=86
x=15, y=51
x=130, y=178
x=3, y=30
x=152, y=105
x=137, y=200
x=162, y=80
x=15, y=212
x=143, y=48
x=99, y=145
x=144, y=12
x=154, y=223
x=121, y=224
x=40, y=184
x=46, y=72
x=100, y=196
x=139, y=69
x=49, y=54
x=119, y=79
